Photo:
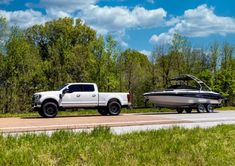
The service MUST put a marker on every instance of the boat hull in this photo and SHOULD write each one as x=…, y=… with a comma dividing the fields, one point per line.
x=183, y=100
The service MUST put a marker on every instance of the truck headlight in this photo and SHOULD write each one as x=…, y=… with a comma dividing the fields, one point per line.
x=37, y=97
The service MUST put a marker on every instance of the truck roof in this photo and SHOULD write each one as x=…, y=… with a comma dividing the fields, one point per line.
x=80, y=83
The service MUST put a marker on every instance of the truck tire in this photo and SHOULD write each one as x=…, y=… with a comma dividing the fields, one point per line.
x=180, y=110
x=103, y=111
x=50, y=109
x=40, y=112
x=188, y=110
x=114, y=108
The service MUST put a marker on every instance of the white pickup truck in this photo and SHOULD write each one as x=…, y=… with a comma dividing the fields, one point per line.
x=79, y=95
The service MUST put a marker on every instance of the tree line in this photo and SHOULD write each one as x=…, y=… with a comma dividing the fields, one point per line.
x=44, y=57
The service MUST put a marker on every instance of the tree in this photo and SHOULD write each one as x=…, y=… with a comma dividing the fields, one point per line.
x=21, y=63
x=135, y=67
x=3, y=33
x=225, y=77
x=64, y=47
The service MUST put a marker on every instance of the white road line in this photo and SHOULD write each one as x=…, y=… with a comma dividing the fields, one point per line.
x=129, y=129
x=209, y=119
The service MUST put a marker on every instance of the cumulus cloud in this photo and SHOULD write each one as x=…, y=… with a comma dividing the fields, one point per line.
x=198, y=22
x=108, y=19
x=24, y=18
x=163, y=38
x=146, y=52
x=65, y=5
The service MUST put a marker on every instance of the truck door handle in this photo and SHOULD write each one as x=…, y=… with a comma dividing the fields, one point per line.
x=78, y=95
x=94, y=95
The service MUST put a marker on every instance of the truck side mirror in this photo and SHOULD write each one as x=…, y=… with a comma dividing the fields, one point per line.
x=66, y=90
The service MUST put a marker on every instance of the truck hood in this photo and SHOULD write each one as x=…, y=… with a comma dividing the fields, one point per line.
x=48, y=93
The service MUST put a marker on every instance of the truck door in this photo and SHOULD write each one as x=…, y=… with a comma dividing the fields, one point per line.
x=88, y=96
x=80, y=95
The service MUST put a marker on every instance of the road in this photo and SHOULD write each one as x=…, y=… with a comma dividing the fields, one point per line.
x=119, y=124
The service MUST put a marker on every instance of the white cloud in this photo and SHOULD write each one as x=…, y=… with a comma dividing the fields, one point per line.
x=107, y=19
x=53, y=14
x=163, y=38
x=24, y=18
x=65, y=5
x=110, y=19
x=146, y=52
x=198, y=22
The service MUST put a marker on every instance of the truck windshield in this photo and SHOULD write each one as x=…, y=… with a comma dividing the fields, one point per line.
x=62, y=87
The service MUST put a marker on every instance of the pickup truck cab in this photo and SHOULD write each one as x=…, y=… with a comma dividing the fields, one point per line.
x=79, y=95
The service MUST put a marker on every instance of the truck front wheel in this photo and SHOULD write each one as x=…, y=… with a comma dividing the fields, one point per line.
x=103, y=111
x=40, y=112
x=50, y=110
x=114, y=108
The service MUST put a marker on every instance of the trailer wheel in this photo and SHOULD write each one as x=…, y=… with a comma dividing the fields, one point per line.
x=209, y=108
x=103, y=111
x=188, y=110
x=180, y=110
x=200, y=108
x=114, y=108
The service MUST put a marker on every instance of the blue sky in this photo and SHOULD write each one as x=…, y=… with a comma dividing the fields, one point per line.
x=140, y=25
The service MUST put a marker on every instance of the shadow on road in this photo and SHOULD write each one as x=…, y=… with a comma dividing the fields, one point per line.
x=122, y=114
x=169, y=113
x=59, y=116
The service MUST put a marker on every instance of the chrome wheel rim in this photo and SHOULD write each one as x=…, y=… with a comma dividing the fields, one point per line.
x=210, y=108
x=201, y=108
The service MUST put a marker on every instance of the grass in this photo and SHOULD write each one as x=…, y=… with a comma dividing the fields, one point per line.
x=226, y=108
x=80, y=112
x=94, y=112
x=175, y=146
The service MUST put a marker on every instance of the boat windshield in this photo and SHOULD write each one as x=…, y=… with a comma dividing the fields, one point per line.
x=182, y=86
x=188, y=82
x=205, y=87
x=59, y=89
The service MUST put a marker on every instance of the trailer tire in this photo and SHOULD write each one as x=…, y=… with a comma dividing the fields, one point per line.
x=209, y=108
x=188, y=110
x=200, y=108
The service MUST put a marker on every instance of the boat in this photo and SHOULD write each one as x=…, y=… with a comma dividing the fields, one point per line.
x=187, y=93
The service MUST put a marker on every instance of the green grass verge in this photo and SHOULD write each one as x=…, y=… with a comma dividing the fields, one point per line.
x=81, y=112
x=94, y=112
x=226, y=108
x=176, y=146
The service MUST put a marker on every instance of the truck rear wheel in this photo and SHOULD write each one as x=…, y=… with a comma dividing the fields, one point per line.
x=114, y=108
x=103, y=111
x=50, y=110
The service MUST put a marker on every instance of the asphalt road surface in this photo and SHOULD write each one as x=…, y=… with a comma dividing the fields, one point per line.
x=119, y=124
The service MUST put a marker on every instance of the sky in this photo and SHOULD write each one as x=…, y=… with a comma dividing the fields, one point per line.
x=135, y=24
